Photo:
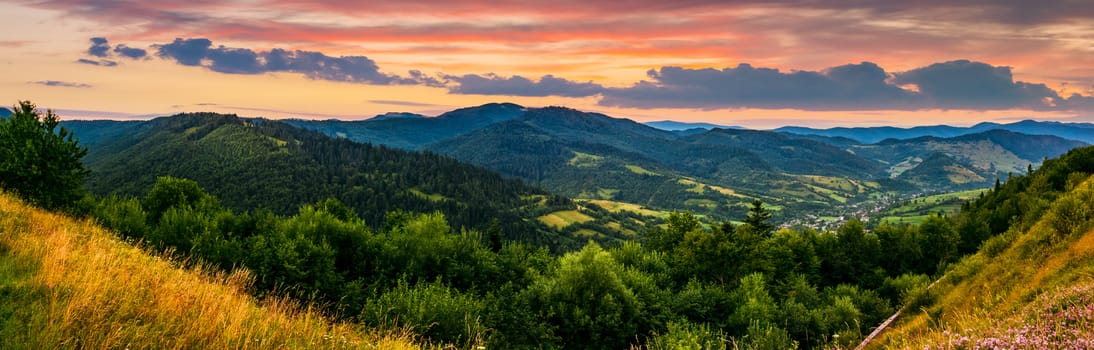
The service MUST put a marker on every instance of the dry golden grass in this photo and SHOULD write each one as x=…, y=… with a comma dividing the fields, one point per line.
x=67, y=283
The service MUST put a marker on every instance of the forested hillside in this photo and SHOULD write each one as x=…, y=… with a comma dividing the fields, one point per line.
x=1030, y=284
x=253, y=164
x=414, y=133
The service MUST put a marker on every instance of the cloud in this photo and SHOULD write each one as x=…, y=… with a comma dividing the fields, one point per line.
x=187, y=52
x=548, y=85
x=314, y=65
x=404, y=103
x=104, y=63
x=964, y=84
x=847, y=87
x=99, y=47
x=61, y=84
x=960, y=84
x=130, y=52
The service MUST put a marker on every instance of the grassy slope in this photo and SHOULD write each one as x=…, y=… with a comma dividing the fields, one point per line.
x=1032, y=289
x=71, y=284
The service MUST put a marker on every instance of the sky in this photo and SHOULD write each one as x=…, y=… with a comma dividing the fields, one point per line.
x=758, y=64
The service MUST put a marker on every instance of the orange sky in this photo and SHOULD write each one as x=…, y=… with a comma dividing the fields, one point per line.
x=749, y=63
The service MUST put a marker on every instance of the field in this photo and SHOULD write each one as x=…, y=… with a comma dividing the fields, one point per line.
x=613, y=206
x=914, y=211
x=562, y=219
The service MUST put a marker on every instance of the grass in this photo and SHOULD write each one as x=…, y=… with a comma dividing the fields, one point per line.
x=1023, y=290
x=562, y=219
x=71, y=284
x=640, y=170
x=432, y=197
x=585, y=160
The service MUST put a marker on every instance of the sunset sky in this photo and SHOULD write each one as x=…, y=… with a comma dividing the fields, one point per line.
x=757, y=64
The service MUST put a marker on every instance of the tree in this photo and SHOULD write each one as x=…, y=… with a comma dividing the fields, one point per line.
x=757, y=218
x=39, y=161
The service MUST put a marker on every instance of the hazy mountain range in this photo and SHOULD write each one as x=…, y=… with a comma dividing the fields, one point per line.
x=1075, y=131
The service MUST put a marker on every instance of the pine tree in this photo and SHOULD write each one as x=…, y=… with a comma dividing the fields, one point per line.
x=757, y=218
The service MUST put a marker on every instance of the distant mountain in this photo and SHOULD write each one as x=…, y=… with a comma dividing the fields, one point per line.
x=672, y=125
x=4, y=112
x=1074, y=131
x=989, y=155
x=396, y=115
x=413, y=132
x=92, y=133
x=260, y=164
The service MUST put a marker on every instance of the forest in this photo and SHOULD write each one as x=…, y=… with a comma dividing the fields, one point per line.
x=725, y=285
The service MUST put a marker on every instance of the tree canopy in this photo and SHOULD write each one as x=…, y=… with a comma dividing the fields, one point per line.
x=40, y=161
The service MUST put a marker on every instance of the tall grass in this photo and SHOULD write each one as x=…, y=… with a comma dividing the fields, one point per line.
x=71, y=284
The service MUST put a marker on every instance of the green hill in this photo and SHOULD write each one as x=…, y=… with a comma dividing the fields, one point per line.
x=70, y=284
x=252, y=164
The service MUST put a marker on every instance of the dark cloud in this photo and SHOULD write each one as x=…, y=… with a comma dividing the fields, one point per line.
x=314, y=65
x=187, y=52
x=130, y=52
x=548, y=85
x=104, y=63
x=848, y=87
x=60, y=83
x=964, y=84
x=99, y=47
x=958, y=84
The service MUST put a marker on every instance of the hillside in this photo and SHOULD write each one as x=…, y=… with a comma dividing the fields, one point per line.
x=964, y=162
x=1030, y=284
x=413, y=131
x=71, y=284
x=259, y=164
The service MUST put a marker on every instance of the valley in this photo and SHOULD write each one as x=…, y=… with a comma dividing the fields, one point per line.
x=718, y=234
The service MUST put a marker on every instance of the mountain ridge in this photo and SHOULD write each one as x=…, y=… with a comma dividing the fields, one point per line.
x=869, y=135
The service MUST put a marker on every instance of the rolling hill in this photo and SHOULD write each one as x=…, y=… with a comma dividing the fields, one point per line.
x=593, y=156
x=255, y=164
x=714, y=172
